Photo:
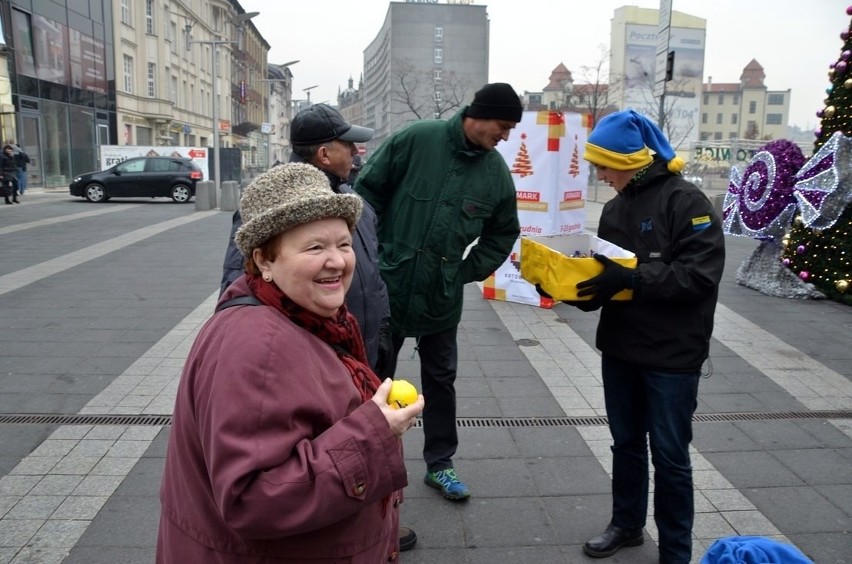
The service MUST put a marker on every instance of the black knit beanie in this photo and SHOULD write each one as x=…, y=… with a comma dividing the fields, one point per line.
x=496, y=101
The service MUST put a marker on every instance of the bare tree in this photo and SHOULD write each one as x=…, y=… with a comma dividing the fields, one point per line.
x=595, y=94
x=425, y=96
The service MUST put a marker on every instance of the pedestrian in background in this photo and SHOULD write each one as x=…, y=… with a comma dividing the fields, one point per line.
x=653, y=346
x=21, y=161
x=322, y=138
x=282, y=445
x=9, y=172
x=436, y=187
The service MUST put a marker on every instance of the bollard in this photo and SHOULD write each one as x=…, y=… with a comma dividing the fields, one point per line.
x=202, y=194
x=228, y=196
x=212, y=197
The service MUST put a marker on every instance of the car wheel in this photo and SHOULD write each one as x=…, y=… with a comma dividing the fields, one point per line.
x=96, y=193
x=181, y=193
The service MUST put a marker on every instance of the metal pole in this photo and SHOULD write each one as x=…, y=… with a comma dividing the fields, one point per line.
x=269, y=135
x=662, y=121
x=217, y=166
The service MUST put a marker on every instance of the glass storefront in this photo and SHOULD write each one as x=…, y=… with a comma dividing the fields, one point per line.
x=62, y=85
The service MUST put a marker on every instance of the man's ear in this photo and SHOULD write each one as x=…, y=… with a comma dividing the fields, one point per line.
x=322, y=158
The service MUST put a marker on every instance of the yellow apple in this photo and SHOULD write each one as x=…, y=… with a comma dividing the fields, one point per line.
x=402, y=393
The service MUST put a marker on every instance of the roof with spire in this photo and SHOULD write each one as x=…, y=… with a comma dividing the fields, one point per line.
x=753, y=75
x=558, y=77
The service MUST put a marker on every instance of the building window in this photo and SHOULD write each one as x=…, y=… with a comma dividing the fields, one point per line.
x=439, y=73
x=143, y=135
x=773, y=119
x=719, y=118
x=174, y=32
x=439, y=34
x=705, y=135
x=152, y=80
x=174, y=92
x=721, y=99
x=704, y=117
x=439, y=55
x=126, y=12
x=775, y=100
x=752, y=107
x=439, y=95
x=128, y=74
x=733, y=119
x=149, y=17
x=736, y=98
x=706, y=99
x=732, y=135
x=717, y=136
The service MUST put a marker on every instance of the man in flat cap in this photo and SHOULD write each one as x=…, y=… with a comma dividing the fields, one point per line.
x=438, y=186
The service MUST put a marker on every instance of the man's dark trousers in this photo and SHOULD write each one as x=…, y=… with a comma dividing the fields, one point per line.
x=644, y=401
x=438, y=364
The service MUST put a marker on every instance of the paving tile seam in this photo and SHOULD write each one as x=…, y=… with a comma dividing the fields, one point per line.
x=64, y=218
x=20, y=278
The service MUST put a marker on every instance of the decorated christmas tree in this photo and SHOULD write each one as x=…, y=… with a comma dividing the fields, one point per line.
x=818, y=247
x=574, y=167
x=522, y=165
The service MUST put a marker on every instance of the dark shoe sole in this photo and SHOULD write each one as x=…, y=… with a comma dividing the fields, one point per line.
x=599, y=554
x=451, y=497
x=407, y=539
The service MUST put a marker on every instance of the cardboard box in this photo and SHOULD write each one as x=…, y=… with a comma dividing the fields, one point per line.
x=559, y=262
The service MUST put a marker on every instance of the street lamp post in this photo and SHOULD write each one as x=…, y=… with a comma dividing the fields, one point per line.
x=239, y=20
x=272, y=82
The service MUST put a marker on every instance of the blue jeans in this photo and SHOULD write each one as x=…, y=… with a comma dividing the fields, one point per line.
x=643, y=402
x=22, y=180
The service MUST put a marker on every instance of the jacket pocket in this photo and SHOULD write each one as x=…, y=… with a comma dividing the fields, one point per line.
x=350, y=466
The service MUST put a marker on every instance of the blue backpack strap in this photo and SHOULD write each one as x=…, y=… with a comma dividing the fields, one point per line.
x=239, y=300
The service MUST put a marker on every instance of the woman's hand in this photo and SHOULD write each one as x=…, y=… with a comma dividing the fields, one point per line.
x=402, y=419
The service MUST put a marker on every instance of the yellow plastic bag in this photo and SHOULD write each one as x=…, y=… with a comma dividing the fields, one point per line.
x=559, y=262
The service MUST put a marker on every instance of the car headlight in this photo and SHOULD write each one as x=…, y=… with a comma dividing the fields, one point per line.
x=77, y=179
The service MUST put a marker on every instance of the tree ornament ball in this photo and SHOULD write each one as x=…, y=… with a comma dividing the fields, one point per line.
x=804, y=275
x=847, y=84
x=841, y=67
x=402, y=393
x=786, y=262
x=849, y=11
x=842, y=286
x=831, y=74
x=829, y=111
x=800, y=250
x=846, y=54
x=798, y=220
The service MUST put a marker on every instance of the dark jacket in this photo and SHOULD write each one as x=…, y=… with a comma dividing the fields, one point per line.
x=21, y=160
x=272, y=454
x=8, y=167
x=434, y=196
x=677, y=236
x=367, y=298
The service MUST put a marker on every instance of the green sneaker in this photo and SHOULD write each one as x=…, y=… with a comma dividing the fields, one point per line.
x=449, y=484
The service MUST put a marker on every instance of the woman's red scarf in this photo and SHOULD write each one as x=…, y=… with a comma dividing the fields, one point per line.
x=340, y=331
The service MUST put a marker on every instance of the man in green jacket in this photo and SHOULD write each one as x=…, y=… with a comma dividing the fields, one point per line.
x=436, y=187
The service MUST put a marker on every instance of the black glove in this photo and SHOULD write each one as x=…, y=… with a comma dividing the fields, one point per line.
x=542, y=293
x=608, y=283
x=385, y=367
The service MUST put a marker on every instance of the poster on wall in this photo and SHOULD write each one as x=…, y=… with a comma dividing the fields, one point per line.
x=50, y=40
x=111, y=155
x=545, y=157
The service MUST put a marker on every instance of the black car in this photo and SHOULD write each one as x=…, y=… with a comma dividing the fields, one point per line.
x=154, y=177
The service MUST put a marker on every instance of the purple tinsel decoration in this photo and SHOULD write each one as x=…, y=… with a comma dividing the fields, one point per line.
x=823, y=186
x=760, y=201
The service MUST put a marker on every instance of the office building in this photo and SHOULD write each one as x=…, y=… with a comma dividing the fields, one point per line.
x=426, y=62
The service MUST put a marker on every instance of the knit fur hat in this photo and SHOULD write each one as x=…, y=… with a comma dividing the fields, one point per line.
x=496, y=101
x=286, y=196
x=621, y=141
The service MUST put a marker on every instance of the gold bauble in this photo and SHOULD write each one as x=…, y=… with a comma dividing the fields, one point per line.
x=798, y=219
x=785, y=241
x=842, y=286
x=847, y=83
x=829, y=112
x=830, y=73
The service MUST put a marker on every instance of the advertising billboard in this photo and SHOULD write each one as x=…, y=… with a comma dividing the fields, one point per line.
x=683, y=92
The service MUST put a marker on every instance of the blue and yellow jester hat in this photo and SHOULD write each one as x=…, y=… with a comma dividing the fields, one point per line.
x=622, y=141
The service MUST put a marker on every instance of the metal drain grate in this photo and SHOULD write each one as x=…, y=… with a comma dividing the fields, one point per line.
x=492, y=422
x=81, y=419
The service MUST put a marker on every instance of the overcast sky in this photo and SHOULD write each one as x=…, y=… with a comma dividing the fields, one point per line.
x=794, y=41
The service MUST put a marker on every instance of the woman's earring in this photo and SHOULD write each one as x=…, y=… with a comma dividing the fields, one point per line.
x=267, y=277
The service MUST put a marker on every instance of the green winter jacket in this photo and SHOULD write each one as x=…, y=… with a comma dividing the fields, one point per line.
x=434, y=196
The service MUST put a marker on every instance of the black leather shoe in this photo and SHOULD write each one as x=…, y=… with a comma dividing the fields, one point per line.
x=407, y=539
x=611, y=540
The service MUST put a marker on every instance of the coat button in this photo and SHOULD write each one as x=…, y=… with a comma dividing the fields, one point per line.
x=359, y=488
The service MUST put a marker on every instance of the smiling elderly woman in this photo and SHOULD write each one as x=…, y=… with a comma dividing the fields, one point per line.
x=283, y=447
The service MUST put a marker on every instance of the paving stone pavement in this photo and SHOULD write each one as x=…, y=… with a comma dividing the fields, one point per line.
x=100, y=304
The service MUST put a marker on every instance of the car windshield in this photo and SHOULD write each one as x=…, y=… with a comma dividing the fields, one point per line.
x=131, y=166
